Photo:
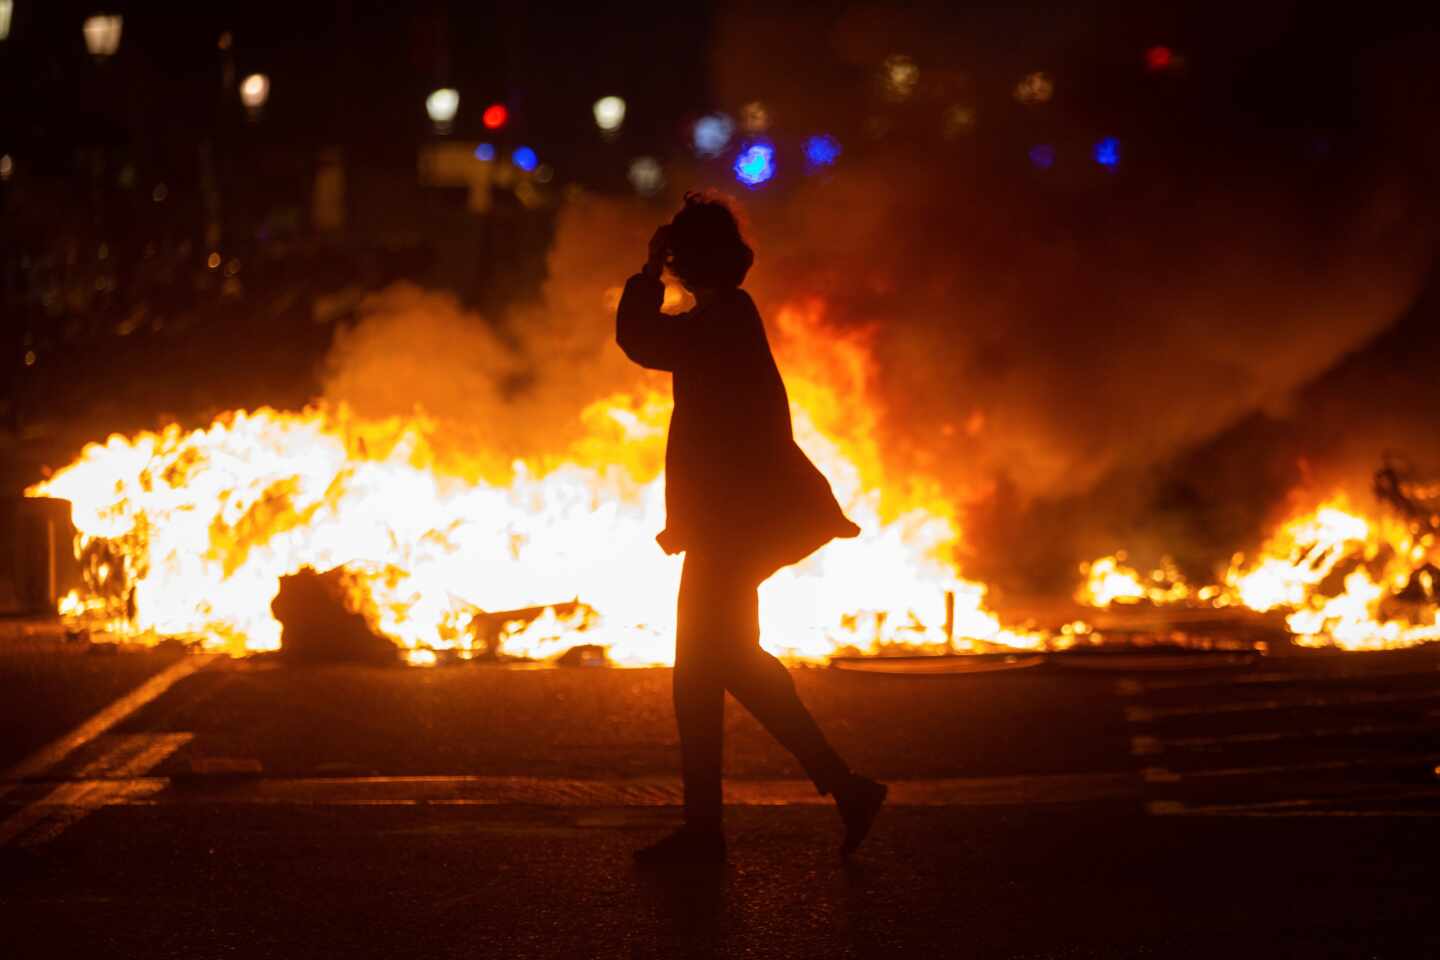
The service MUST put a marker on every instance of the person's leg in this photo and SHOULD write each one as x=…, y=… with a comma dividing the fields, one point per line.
x=764, y=687
x=699, y=695
x=700, y=716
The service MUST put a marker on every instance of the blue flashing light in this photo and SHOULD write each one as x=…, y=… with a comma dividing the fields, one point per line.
x=1042, y=156
x=712, y=134
x=524, y=158
x=822, y=150
x=755, y=164
x=1107, y=152
x=486, y=152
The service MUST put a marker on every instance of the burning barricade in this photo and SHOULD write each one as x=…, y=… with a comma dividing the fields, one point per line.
x=1336, y=575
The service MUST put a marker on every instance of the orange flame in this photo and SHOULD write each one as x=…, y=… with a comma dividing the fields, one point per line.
x=1339, y=577
x=203, y=524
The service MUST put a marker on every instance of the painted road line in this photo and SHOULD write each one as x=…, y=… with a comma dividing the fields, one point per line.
x=116, y=776
x=1146, y=746
x=1302, y=807
x=1151, y=746
x=1135, y=688
x=639, y=792
x=1134, y=714
x=47, y=758
x=1162, y=775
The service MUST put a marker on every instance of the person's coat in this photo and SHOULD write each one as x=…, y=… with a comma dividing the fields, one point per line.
x=735, y=481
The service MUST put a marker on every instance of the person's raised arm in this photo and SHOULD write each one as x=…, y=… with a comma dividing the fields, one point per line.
x=647, y=336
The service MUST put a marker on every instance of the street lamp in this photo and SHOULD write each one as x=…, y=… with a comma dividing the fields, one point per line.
x=442, y=105
x=102, y=34
x=254, y=91
x=646, y=176
x=609, y=114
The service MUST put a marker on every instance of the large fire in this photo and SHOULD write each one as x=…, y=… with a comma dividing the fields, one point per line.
x=187, y=533
x=1338, y=576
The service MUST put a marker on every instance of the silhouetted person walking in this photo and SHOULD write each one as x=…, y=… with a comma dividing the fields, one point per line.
x=742, y=501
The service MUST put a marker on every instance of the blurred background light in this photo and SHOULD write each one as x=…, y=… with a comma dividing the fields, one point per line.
x=524, y=158
x=544, y=173
x=1035, y=88
x=899, y=76
x=1042, y=156
x=609, y=113
x=821, y=150
x=712, y=134
x=957, y=120
x=495, y=116
x=7, y=9
x=755, y=117
x=159, y=193
x=441, y=106
x=1107, y=152
x=7, y=167
x=254, y=91
x=486, y=152
x=646, y=176
x=102, y=34
x=1159, y=58
x=755, y=164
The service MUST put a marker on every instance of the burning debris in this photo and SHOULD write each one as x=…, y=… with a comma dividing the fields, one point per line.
x=318, y=627
x=207, y=523
x=1336, y=575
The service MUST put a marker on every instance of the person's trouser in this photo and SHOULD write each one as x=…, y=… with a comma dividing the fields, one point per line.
x=717, y=648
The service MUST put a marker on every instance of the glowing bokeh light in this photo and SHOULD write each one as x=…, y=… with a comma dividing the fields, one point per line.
x=1107, y=152
x=1035, y=88
x=7, y=167
x=755, y=164
x=712, y=135
x=609, y=113
x=485, y=151
x=646, y=176
x=822, y=150
x=7, y=8
x=102, y=34
x=254, y=91
x=524, y=158
x=1042, y=156
x=957, y=121
x=1159, y=58
x=755, y=117
x=899, y=76
x=495, y=116
x=442, y=105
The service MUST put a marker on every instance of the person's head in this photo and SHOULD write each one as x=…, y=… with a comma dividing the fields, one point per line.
x=707, y=251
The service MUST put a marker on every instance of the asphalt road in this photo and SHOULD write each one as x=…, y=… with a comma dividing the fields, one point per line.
x=1283, y=809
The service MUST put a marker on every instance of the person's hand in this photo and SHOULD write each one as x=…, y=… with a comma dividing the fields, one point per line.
x=659, y=250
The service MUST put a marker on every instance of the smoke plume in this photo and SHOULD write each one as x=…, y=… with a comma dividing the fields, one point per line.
x=1046, y=341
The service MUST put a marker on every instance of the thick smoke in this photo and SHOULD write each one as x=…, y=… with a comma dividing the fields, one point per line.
x=1048, y=342
x=503, y=388
x=1055, y=342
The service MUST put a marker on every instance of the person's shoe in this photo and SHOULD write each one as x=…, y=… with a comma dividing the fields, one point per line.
x=859, y=801
x=688, y=846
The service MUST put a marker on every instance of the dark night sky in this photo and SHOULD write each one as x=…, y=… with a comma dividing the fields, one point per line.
x=358, y=71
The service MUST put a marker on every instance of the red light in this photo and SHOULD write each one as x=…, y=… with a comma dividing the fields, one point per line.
x=495, y=116
x=1159, y=58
